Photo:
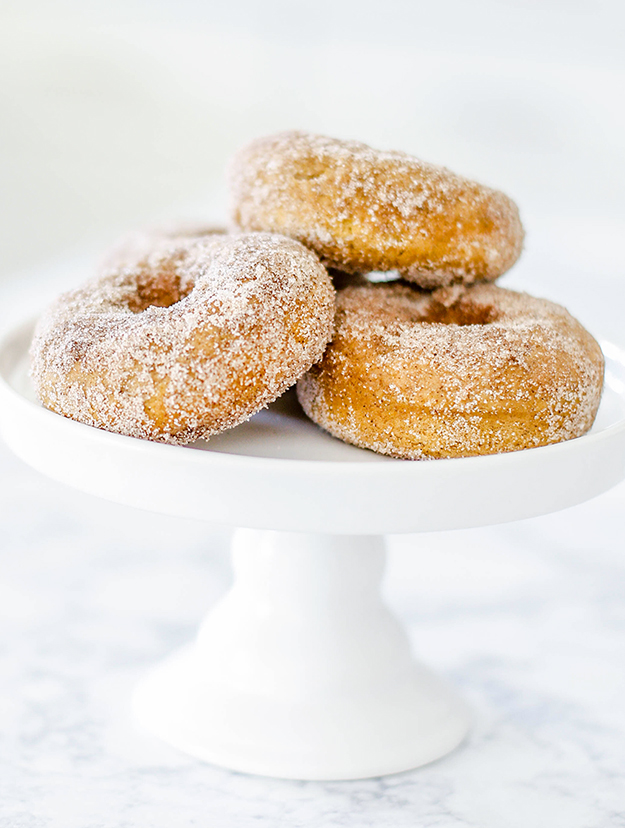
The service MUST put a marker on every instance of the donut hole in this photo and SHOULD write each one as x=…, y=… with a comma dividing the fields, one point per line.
x=160, y=289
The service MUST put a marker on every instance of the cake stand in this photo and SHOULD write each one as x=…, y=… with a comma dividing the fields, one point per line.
x=300, y=671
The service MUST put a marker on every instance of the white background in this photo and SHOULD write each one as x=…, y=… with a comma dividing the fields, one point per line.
x=116, y=114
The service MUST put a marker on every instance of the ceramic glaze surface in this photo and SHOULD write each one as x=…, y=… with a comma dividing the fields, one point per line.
x=511, y=743
x=300, y=671
x=279, y=471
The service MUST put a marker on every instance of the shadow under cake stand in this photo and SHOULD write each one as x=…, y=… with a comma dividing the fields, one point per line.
x=300, y=671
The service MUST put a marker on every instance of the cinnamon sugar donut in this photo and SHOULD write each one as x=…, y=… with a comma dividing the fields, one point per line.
x=456, y=373
x=192, y=339
x=139, y=243
x=364, y=210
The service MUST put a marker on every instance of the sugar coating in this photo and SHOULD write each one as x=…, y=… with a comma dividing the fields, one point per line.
x=188, y=340
x=361, y=209
x=134, y=245
x=460, y=372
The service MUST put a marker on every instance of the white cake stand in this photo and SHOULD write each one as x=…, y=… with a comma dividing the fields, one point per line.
x=300, y=671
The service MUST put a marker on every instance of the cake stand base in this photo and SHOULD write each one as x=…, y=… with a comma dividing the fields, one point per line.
x=301, y=672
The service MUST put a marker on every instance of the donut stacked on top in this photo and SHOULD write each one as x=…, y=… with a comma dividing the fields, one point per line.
x=441, y=362
x=362, y=210
x=190, y=330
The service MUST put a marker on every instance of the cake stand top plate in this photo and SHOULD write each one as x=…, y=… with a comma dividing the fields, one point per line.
x=280, y=471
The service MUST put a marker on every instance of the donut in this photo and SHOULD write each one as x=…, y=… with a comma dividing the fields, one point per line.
x=362, y=210
x=190, y=340
x=132, y=246
x=453, y=373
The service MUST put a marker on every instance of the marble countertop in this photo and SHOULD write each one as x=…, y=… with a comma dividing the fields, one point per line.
x=527, y=620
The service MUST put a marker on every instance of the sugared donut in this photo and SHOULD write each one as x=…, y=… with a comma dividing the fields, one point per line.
x=192, y=339
x=455, y=373
x=133, y=246
x=364, y=210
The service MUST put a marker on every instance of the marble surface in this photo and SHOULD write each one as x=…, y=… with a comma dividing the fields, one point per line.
x=527, y=620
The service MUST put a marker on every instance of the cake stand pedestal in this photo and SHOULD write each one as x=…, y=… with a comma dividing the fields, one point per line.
x=300, y=671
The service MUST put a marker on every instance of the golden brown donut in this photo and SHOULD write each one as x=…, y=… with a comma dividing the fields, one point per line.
x=192, y=339
x=455, y=373
x=363, y=210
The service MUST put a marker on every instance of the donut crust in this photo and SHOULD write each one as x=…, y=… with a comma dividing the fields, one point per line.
x=417, y=375
x=190, y=340
x=362, y=210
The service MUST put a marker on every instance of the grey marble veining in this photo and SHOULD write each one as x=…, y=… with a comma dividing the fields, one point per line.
x=528, y=620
